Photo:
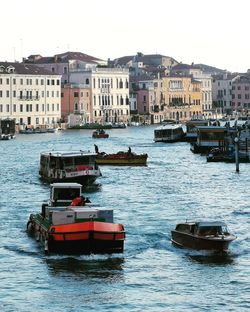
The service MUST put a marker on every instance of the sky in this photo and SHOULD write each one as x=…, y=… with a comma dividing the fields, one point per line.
x=214, y=32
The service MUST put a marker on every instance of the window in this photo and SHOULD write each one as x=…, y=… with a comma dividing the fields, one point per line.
x=30, y=107
x=1, y=93
x=57, y=107
x=14, y=93
x=87, y=81
x=7, y=108
x=52, y=82
x=47, y=93
x=7, y=93
x=37, y=121
x=7, y=81
x=27, y=107
x=21, y=108
x=48, y=107
x=76, y=94
x=14, y=108
x=48, y=82
x=53, y=107
x=58, y=82
x=42, y=82
x=37, y=82
x=1, y=81
x=1, y=108
x=65, y=70
x=14, y=81
x=37, y=107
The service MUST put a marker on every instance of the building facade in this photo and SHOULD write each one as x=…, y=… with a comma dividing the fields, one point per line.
x=182, y=97
x=109, y=94
x=30, y=95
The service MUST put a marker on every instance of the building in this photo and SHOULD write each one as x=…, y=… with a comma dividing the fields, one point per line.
x=29, y=94
x=149, y=99
x=64, y=63
x=222, y=93
x=206, y=85
x=109, y=87
x=241, y=95
x=76, y=99
x=182, y=97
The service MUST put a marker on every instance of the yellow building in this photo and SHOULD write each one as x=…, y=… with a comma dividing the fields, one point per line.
x=182, y=97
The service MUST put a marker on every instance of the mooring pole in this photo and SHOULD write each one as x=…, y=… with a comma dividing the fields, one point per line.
x=236, y=141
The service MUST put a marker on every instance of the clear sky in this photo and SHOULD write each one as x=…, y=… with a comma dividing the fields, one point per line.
x=214, y=32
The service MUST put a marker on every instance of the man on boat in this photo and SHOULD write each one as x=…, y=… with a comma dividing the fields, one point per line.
x=78, y=201
x=96, y=149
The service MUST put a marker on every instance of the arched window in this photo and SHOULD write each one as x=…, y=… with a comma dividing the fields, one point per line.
x=87, y=81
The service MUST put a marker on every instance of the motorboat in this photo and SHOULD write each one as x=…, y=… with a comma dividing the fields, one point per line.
x=100, y=134
x=62, y=226
x=169, y=133
x=205, y=235
x=122, y=158
x=73, y=166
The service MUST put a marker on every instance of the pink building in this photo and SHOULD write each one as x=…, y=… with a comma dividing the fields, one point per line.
x=75, y=99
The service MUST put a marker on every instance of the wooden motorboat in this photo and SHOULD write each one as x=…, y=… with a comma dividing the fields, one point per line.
x=202, y=235
x=74, y=166
x=122, y=159
x=100, y=134
x=64, y=227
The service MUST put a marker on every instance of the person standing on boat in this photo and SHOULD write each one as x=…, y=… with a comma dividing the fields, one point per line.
x=78, y=201
x=96, y=149
x=129, y=150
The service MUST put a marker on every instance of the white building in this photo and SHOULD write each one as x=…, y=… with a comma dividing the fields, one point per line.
x=29, y=94
x=109, y=93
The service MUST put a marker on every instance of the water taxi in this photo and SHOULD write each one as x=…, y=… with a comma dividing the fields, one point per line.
x=169, y=133
x=69, y=223
x=211, y=235
x=63, y=166
x=100, y=134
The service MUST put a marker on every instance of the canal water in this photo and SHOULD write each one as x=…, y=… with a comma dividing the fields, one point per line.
x=151, y=274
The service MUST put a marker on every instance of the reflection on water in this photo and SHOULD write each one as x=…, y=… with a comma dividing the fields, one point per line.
x=214, y=258
x=96, y=267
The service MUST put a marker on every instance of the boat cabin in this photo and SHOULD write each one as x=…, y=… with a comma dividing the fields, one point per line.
x=168, y=133
x=203, y=228
x=59, y=166
x=62, y=194
x=209, y=137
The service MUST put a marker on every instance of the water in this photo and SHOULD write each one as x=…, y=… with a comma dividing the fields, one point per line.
x=151, y=274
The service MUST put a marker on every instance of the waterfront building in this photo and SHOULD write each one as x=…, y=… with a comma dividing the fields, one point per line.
x=149, y=99
x=241, y=95
x=109, y=93
x=29, y=94
x=182, y=97
x=90, y=90
x=222, y=93
x=75, y=99
x=206, y=85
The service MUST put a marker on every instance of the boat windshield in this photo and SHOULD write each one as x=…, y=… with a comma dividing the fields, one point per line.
x=66, y=194
x=210, y=230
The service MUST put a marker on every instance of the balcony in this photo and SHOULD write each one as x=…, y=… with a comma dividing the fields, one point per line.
x=33, y=98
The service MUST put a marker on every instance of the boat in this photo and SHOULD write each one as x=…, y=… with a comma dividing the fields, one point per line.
x=65, y=225
x=118, y=125
x=100, y=134
x=169, y=133
x=73, y=166
x=206, y=235
x=122, y=159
